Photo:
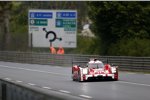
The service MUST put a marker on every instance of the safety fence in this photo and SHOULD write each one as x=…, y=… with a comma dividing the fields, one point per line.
x=124, y=62
x=11, y=90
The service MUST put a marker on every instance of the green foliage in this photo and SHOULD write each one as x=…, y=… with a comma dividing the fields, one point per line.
x=114, y=21
x=131, y=47
x=85, y=45
x=19, y=27
x=5, y=9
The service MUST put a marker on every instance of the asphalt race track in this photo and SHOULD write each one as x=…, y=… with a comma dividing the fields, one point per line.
x=131, y=86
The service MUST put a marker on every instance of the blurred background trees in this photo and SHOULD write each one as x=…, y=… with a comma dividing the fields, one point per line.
x=5, y=8
x=123, y=28
x=120, y=28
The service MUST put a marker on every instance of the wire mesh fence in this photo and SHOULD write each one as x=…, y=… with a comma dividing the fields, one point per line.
x=124, y=62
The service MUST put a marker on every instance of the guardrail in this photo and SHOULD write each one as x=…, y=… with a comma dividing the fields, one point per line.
x=10, y=90
x=124, y=62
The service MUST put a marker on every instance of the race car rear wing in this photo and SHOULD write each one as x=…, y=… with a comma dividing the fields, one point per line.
x=83, y=63
x=80, y=63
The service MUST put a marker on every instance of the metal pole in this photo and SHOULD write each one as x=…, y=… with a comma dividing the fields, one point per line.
x=50, y=44
x=31, y=41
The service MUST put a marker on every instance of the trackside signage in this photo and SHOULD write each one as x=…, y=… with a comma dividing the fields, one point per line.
x=56, y=26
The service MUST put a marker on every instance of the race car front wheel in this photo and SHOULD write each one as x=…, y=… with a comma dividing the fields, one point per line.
x=79, y=76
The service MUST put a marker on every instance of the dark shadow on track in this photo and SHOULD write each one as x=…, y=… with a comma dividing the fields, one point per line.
x=99, y=80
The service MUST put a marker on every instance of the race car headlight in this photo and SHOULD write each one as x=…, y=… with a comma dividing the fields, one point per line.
x=85, y=71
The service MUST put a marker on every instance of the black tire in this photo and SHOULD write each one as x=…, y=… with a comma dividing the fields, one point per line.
x=73, y=79
x=79, y=76
x=116, y=79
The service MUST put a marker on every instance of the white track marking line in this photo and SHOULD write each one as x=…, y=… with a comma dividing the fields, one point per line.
x=31, y=84
x=86, y=96
x=18, y=81
x=130, y=73
x=64, y=91
x=147, y=74
x=9, y=79
x=45, y=87
x=133, y=83
x=32, y=70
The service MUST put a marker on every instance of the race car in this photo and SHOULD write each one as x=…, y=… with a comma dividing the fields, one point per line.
x=94, y=69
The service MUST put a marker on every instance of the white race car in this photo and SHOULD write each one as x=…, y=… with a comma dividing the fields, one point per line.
x=94, y=69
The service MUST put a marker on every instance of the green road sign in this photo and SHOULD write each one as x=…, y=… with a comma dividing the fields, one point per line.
x=62, y=22
x=38, y=22
x=66, y=23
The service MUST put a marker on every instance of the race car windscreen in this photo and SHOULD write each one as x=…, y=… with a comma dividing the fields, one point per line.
x=96, y=65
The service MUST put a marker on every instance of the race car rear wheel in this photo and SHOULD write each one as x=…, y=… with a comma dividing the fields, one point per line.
x=73, y=77
x=116, y=76
x=79, y=76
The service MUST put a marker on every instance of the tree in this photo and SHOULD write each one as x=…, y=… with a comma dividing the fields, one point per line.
x=5, y=8
x=114, y=21
x=131, y=47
